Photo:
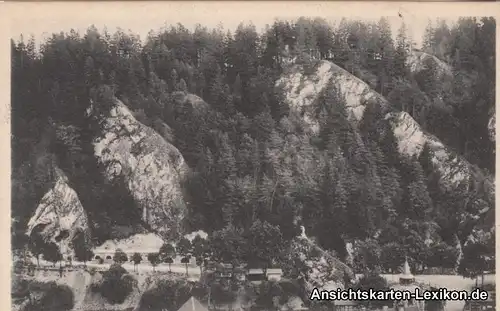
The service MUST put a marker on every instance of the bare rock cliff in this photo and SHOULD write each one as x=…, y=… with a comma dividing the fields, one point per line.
x=152, y=168
x=454, y=169
x=60, y=211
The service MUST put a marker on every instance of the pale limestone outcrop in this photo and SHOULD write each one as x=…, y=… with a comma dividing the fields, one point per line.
x=152, y=169
x=301, y=90
x=411, y=139
x=60, y=210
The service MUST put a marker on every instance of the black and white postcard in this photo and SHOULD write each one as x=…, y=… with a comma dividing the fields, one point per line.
x=251, y=156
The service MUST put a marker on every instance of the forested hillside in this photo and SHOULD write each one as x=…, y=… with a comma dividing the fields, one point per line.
x=255, y=165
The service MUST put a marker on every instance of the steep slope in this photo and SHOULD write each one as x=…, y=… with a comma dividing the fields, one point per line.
x=317, y=267
x=152, y=169
x=435, y=79
x=60, y=210
x=455, y=170
x=302, y=90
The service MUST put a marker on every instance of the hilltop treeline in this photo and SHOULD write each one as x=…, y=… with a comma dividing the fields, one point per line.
x=252, y=158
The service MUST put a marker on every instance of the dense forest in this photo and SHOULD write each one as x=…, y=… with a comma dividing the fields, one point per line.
x=256, y=167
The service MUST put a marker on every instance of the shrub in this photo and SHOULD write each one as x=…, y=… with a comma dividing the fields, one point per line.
x=290, y=288
x=52, y=253
x=92, y=271
x=170, y=295
x=270, y=293
x=435, y=305
x=117, y=284
x=372, y=280
x=19, y=288
x=81, y=246
x=120, y=257
x=55, y=298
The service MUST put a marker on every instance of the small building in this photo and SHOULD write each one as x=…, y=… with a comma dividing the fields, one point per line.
x=274, y=274
x=144, y=244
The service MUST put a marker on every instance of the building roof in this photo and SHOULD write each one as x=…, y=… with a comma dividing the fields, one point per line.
x=146, y=243
x=192, y=305
x=255, y=271
x=274, y=271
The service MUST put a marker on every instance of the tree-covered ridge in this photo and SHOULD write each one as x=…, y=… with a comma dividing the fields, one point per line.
x=256, y=166
x=465, y=100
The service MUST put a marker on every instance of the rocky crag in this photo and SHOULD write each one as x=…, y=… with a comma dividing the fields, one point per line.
x=301, y=92
x=152, y=169
x=60, y=210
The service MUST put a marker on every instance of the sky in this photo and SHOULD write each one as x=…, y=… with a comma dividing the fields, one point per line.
x=141, y=18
